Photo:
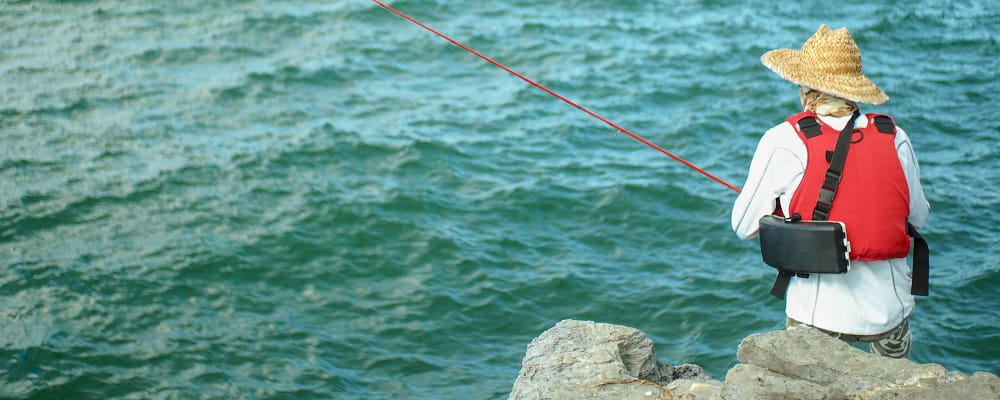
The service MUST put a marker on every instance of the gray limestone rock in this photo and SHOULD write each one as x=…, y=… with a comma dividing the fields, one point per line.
x=695, y=389
x=587, y=360
x=582, y=360
x=747, y=381
x=839, y=371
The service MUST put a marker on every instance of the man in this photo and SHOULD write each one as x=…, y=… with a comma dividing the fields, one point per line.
x=879, y=193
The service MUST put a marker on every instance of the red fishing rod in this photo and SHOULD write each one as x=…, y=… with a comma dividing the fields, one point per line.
x=559, y=96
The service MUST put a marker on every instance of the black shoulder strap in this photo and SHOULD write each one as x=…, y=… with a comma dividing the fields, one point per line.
x=809, y=127
x=884, y=124
x=826, y=193
x=833, y=174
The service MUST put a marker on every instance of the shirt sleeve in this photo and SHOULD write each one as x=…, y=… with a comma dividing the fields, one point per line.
x=919, y=207
x=775, y=172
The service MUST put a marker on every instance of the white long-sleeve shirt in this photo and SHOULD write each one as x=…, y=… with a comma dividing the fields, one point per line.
x=874, y=296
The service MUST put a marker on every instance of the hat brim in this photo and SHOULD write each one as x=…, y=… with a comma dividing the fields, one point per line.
x=855, y=87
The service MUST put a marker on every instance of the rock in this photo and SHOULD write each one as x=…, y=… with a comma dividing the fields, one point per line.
x=746, y=381
x=589, y=360
x=695, y=389
x=827, y=368
x=578, y=360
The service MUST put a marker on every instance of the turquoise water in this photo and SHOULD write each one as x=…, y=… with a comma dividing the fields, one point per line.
x=258, y=199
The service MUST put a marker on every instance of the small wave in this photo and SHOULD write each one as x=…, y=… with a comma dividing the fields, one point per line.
x=191, y=55
x=42, y=211
x=266, y=85
x=62, y=108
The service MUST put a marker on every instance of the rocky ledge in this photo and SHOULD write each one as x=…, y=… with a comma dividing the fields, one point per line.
x=580, y=360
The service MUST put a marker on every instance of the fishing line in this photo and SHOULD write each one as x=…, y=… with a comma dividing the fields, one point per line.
x=617, y=127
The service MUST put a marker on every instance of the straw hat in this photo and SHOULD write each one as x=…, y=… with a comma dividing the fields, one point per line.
x=830, y=62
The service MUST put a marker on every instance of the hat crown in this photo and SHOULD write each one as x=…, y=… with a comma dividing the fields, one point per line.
x=832, y=52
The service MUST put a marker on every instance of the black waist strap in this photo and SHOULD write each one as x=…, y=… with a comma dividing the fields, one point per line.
x=781, y=284
x=921, y=269
x=921, y=263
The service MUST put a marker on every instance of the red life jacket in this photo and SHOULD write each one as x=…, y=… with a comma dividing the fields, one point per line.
x=873, y=199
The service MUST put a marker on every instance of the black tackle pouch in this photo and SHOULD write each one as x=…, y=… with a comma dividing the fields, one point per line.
x=804, y=247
